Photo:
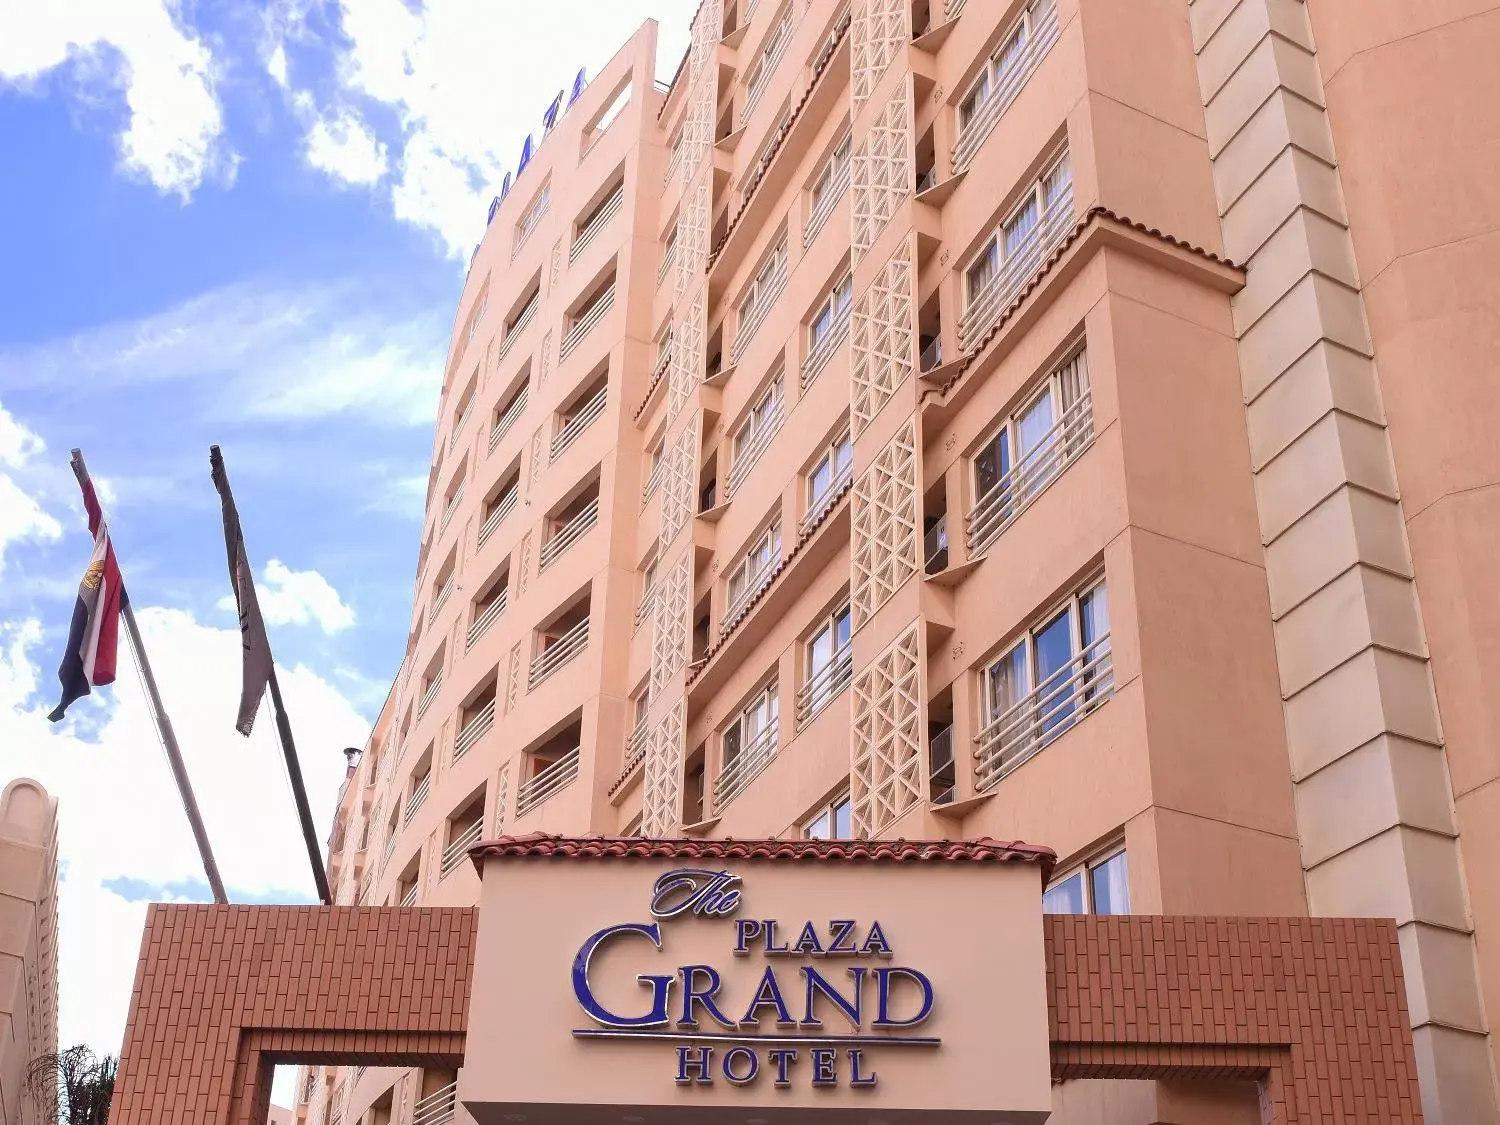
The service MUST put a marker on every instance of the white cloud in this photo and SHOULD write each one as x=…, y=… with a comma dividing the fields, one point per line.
x=18, y=444
x=276, y=66
x=344, y=147
x=297, y=597
x=398, y=495
x=22, y=518
x=143, y=48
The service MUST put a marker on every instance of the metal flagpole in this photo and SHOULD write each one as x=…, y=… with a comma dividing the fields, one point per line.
x=164, y=725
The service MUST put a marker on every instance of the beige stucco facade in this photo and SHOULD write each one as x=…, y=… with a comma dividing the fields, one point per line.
x=28, y=944
x=1065, y=422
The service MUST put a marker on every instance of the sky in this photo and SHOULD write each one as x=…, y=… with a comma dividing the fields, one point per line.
x=245, y=224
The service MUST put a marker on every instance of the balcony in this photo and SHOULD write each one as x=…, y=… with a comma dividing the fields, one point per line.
x=653, y=481
x=548, y=782
x=508, y=419
x=487, y=618
x=759, y=442
x=1031, y=723
x=824, y=685
x=458, y=849
x=529, y=221
x=635, y=743
x=558, y=653
x=582, y=419
x=408, y=900
x=568, y=534
x=755, y=316
x=516, y=327
x=940, y=759
x=837, y=188
x=955, y=8
x=672, y=165
x=451, y=507
x=1044, y=30
x=429, y=695
x=770, y=58
x=458, y=426
x=740, y=772
x=440, y=601
x=826, y=345
x=597, y=222
x=666, y=261
x=437, y=1108
x=1013, y=493
x=585, y=323
x=643, y=611
x=505, y=507
x=1017, y=270
x=753, y=586
x=475, y=729
x=932, y=355
x=418, y=796
x=826, y=499
x=935, y=547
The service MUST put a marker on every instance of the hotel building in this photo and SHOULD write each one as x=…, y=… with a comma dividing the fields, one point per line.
x=28, y=947
x=1059, y=421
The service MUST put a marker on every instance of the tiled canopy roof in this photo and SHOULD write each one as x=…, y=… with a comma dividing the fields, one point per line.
x=539, y=845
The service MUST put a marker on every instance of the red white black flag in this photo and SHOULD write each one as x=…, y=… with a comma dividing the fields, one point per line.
x=93, y=637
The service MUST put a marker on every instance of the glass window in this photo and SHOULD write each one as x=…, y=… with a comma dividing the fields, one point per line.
x=1051, y=661
x=756, y=721
x=831, y=822
x=984, y=269
x=1101, y=886
x=1065, y=896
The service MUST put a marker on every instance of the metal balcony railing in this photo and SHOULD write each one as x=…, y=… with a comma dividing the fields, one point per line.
x=955, y=7
x=528, y=222
x=602, y=304
x=458, y=849
x=518, y=326
x=672, y=164
x=1013, y=493
x=824, y=685
x=409, y=899
x=587, y=414
x=508, y=419
x=771, y=56
x=437, y=1108
x=558, y=653
x=666, y=261
x=747, y=763
x=1006, y=86
x=643, y=611
x=757, y=313
x=824, y=500
x=390, y=846
x=475, y=729
x=745, y=460
x=549, y=782
x=429, y=695
x=506, y=506
x=441, y=600
x=1016, y=271
x=418, y=795
x=653, y=481
x=935, y=546
x=572, y=531
x=1042, y=714
x=753, y=586
x=487, y=618
x=452, y=507
x=940, y=759
x=835, y=190
x=635, y=743
x=932, y=355
x=827, y=344
x=458, y=426
x=606, y=212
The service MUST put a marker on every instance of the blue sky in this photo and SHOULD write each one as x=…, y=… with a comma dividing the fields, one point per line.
x=243, y=224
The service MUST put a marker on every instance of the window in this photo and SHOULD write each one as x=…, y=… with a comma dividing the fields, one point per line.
x=759, y=420
x=760, y=291
x=827, y=644
x=765, y=63
x=532, y=216
x=829, y=665
x=832, y=173
x=757, y=562
x=1041, y=204
x=752, y=727
x=767, y=151
x=1002, y=68
x=831, y=822
x=829, y=469
x=833, y=309
x=1023, y=455
x=1101, y=886
x=478, y=314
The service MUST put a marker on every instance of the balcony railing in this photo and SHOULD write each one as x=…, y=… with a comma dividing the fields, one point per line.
x=506, y=506
x=822, y=351
x=409, y=899
x=463, y=420
x=529, y=222
x=452, y=506
x=1013, y=493
x=527, y=315
x=756, y=315
x=1043, y=34
x=653, y=481
x=635, y=743
x=955, y=7
x=587, y=414
x=935, y=546
x=752, y=587
x=824, y=685
x=746, y=764
x=585, y=324
x=673, y=164
x=418, y=795
x=487, y=618
x=932, y=355
x=458, y=849
x=429, y=695
x=437, y=1108
x=940, y=759
x=824, y=500
x=782, y=34
x=552, y=780
x=558, y=653
x=390, y=846
x=572, y=531
x=474, y=730
x=666, y=261
x=1052, y=707
x=440, y=601
x=1018, y=269
x=601, y=219
x=745, y=460
x=508, y=419
x=836, y=188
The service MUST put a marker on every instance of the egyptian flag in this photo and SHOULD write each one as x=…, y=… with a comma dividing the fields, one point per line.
x=93, y=637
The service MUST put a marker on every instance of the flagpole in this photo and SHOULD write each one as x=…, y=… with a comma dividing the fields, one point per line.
x=164, y=727
x=284, y=731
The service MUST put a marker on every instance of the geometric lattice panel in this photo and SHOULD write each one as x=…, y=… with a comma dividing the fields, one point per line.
x=538, y=459
x=556, y=265
x=502, y=799
x=881, y=173
x=708, y=26
x=879, y=29
x=884, y=535
x=885, y=767
x=687, y=355
x=680, y=487
x=692, y=239
x=661, y=799
x=697, y=126
x=513, y=678
x=673, y=627
x=545, y=361
x=524, y=550
x=881, y=333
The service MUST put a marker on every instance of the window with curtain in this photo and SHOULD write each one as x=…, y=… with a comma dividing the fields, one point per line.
x=1100, y=886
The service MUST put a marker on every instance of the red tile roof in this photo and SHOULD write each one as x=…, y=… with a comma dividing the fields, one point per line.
x=539, y=845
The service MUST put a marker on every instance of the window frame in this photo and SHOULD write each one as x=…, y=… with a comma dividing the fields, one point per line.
x=1050, y=385
x=830, y=456
x=763, y=68
x=769, y=538
x=760, y=284
x=828, y=809
x=1084, y=870
x=757, y=418
x=833, y=166
x=993, y=252
x=765, y=697
x=828, y=624
x=990, y=75
x=1071, y=604
x=831, y=306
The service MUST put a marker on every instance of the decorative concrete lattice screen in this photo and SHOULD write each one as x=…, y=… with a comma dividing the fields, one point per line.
x=886, y=519
x=544, y=361
x=687, y=355
x=881, y=339
x=524, y=550
x=697, y=127
x=707, y=30
x=882, y=170
x=879, y=30
x=672, y=633
x=513, y=678
x=556, y=266
x=680, y=488
x=538, y=459
x=885, y=769
x=502, y=799
x=692, y=240
x=661, y=803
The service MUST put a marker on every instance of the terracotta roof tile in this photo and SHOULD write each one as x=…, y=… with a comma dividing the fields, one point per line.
x=661, y=371
x=632, y=763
